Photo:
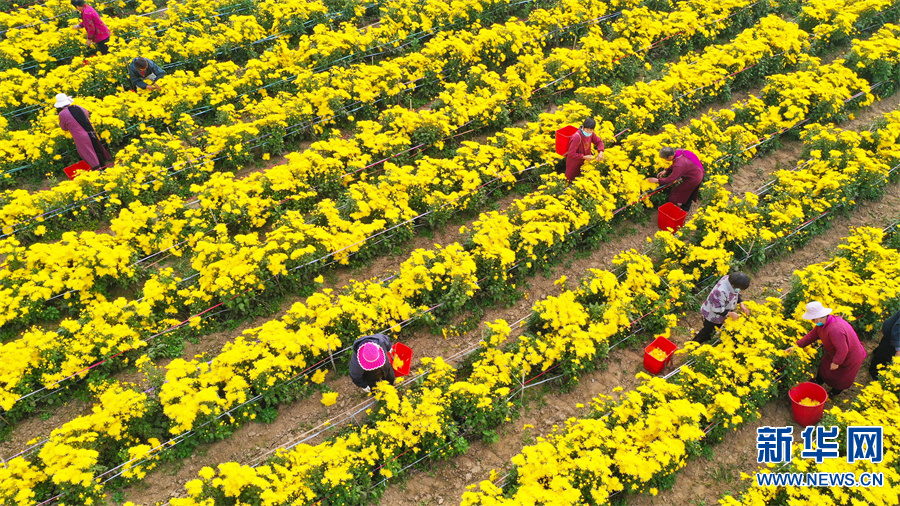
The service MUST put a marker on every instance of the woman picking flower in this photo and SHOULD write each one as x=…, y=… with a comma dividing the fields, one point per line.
x=77, y=121
x=369, y=363
x=844, y=354
x=721, y=303
x=579, y=149
x=94, y=27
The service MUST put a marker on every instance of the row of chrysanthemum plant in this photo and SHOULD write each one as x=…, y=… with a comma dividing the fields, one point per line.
x=573, y=329
x=235, y=387
x=635, y=444
x=240, y=256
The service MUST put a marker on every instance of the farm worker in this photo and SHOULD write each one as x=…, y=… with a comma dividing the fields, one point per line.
x=844, y=353
x=685, y=166
x=721, y=303
x=889, y=345
x=369, y=363
x=579, y=149
x=96, y=30
x=143, y=68
x=76, y=120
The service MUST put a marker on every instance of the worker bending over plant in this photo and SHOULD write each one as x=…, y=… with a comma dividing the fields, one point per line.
x=844, y=354
x=369, y=363
x=721, y=303
x=141, y=69
x=686, y=167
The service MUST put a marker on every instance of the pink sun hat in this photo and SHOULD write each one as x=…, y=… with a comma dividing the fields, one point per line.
x=370, y=356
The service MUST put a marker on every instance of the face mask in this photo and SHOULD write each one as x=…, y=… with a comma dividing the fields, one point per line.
x=819, y=324
x=737, y=290
x=585, y=133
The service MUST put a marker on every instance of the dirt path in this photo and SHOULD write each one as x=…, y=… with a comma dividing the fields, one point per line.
x=40, y=424
x=879, y=213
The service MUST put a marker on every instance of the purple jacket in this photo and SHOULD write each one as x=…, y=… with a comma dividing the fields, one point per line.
x=842, y=347
x=93, y=25
x=82, y=140
x=687, y=167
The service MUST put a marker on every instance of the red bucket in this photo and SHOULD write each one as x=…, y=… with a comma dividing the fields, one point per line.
x=651, y=363
x=808, y=415
x=671, y=216
x=562, y=139
x=72, y=169
x=405, y=354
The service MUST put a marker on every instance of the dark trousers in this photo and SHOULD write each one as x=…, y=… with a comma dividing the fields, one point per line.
x=821, y=381
x=882, y=355
x=707, y=331
x=686, y=207
x=102, y=46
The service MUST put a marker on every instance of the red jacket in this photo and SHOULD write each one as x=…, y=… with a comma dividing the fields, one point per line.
x=686, y=167
x=93, y=25
x=579, y=147
x=842, y=347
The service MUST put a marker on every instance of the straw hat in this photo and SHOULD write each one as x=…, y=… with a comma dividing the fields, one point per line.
x=62, y=100
x=370, y=356
x=814, y=310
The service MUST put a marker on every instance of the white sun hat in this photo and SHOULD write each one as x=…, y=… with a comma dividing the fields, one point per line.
x=62, y=100
x=814, y=310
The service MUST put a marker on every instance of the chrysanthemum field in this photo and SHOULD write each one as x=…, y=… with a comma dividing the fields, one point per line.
x=176, y=329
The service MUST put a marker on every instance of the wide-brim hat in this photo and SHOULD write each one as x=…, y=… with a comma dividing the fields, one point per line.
x=814, y=310
x=62, y=100
x=371, y=356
